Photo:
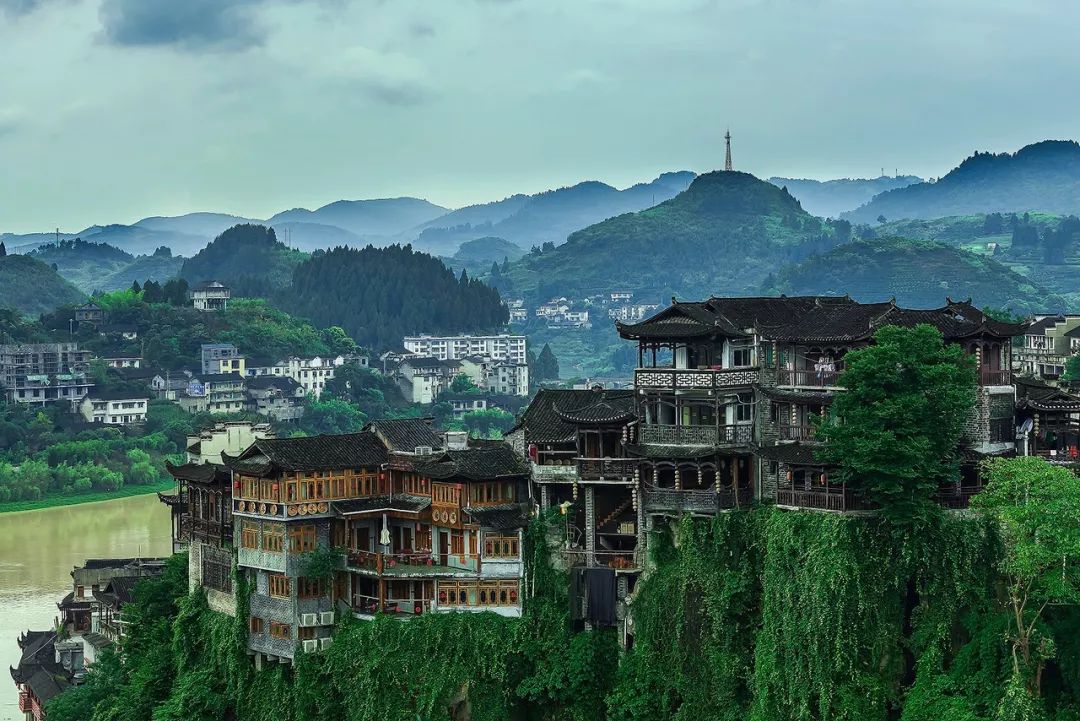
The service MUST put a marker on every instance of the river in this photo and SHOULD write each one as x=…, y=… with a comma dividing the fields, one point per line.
x=38, y=549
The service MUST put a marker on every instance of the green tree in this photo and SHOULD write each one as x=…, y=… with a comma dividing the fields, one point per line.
x=893, y=434
x=546, y=367
x=332, y=416
x=1036, y=508
x=462, y=384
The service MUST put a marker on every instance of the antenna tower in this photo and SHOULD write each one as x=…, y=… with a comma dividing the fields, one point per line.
x=727, y=154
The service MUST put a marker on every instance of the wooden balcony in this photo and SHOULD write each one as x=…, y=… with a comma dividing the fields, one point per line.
x=694, y=378
x=619, y=560
x=611, y=469
x=788, y=432
x=989, y=377
x=663, y=501
x=735, y=435
x=822, y=500
x=412, y=563
x=807, y=378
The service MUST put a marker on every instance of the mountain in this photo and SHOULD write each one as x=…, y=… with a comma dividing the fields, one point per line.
x=155, y=267
x=830, y=198
x=138, y=240
x=312, y=236
x=83, y=263
x=722, y=235
x=381, y=218
x=1040, y=177
x=203, y=225
x=487, y=250
x=248, y=258
x=546, y=217
x=33, y=287
x=918, y=274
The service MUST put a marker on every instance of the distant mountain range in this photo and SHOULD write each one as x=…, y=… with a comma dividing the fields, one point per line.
x=918, y=274
x=830, y=198
x=1040, y=177
x=723, y=235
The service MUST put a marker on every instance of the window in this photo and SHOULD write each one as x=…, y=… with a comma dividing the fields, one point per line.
x=302, y=538
x=280, y=585
x=280, y=630
x=457, y=542
x=309, y=588
x=274, y=537
x=741, y=356
x=255, y=624
x=744, y=411
x=249, y=534
x=306, y=633
x=501, y=546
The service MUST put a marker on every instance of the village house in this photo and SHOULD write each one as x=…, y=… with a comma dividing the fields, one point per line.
x=210, y=296
x=280, y=398
x=48, y=666
x=221, y=358
x=423, y=378
x=90, y=313
x=217, y=393
x=114, y=408
x=1048, y=343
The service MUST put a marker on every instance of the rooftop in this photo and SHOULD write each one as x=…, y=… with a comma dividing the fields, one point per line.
x=350, y=450
x=551, y=416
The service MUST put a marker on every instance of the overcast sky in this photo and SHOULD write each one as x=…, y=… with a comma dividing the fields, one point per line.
x=112, y=110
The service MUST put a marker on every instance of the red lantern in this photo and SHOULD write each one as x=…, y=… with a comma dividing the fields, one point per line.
x=513, y=595
x=418, y=608
x=236, y=486
x=533, y=452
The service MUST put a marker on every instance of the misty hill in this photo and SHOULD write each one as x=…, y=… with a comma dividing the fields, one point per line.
x=830, y=198
x=549, y=216
x=488, y=250
x=202, y=225
x=159, y=267
x=1040, y=177
x=312, y=236
x=379, y=295
x=917, y=273
x=382, y=217
x=84, y=263
x=33, y=287
x=723, y=235
x=249, y=258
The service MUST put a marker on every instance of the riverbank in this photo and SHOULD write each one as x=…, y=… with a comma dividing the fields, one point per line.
x=74, y=499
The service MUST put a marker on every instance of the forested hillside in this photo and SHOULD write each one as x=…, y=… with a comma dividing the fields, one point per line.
x=93, y=266
x=723, y=235
x=1044, y=176
x=380, y=294
x=830, y=198
x=248, y=258
x=918, y=274
x=31, y=286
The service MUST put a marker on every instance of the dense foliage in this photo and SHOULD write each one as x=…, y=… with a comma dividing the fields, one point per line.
x=97, y=266
x=723, y=235
x=248, y=258
x=1043, y=176
x=918, y=274
x=373, y=293
x=893, y=435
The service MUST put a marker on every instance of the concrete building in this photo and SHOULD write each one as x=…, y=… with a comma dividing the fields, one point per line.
x=222, y=358
x=1048, y=344
x=114, y=408
x=40, y=373
x=495, y=347
x=210, y=295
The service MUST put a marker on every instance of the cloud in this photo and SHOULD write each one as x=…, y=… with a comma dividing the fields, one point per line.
x=421, y=29
x=11, y=120
x=390, y=77
x=187, y=24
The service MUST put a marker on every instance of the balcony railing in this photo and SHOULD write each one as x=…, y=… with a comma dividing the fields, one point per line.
x=956, y=498
x=989, y=377
x=739, y=434
x=701, y=378
x=369, y=605
x=608, y=468
x=412, y=563
x=706, y=501
x=619, y=560
x=788, y=432
x=807, y=378
x=822, y=500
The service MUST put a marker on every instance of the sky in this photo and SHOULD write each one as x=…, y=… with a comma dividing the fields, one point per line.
x=113, y=110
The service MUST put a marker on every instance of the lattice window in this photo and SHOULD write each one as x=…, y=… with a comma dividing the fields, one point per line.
x=216, y=570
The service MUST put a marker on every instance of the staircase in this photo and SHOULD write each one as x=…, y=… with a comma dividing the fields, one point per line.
x=615, y=514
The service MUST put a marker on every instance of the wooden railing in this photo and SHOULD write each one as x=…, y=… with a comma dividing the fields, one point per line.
x=369, y=605
x=738, y=434
x=706, y=501
x=788, y=432
x=956, y=498
x=807, y=378
x=611, y=468
x=391, y=563
x=554, y=473
x=822, y=500
x=709, y=378
x=989, y=377
x=621, y=560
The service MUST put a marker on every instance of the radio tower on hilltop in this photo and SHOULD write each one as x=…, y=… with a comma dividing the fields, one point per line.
x=727, y=155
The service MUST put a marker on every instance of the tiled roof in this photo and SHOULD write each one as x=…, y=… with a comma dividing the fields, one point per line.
x=810, y=319
x=503, y=517
x=120, y=590
x=117, y=394
x=205, y=473
x=1040, y=396
x=602, y=407
x=38, y=667
x=400, y=502
x=542, y=422
x=350, y=450
x=1040, y=327
x=405, y=434
x=476, y=463
x=283, y=383
x=223, y=378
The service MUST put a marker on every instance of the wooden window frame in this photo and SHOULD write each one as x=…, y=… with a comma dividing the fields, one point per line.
x=280, y=630
x=249, y=535
x=280, y=586
x=255, y=624
x=273, y=537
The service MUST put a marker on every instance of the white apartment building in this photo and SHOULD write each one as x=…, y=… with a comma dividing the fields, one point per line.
x=496, y=347
x=114, y=409
x=311, y=373
x=509, y=379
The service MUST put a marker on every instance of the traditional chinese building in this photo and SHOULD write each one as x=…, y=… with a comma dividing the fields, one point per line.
x=47, y=667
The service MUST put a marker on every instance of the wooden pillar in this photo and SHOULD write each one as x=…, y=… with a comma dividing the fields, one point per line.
x=590, y=525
